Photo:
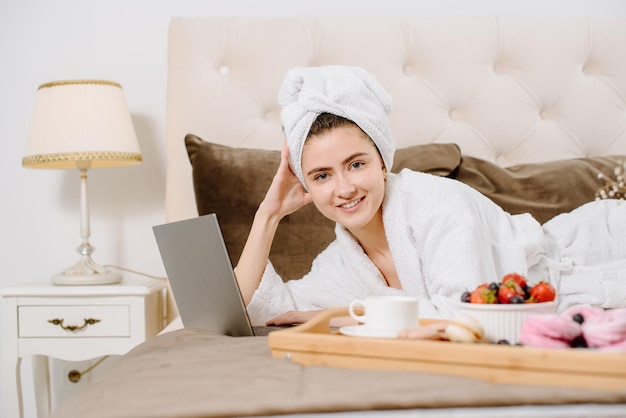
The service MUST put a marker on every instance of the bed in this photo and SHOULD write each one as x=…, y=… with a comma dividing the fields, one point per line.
x=526, y=110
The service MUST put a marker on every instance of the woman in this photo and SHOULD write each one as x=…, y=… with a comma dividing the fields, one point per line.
x=407, y=233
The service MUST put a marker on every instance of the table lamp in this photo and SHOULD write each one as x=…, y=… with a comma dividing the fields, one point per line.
x=82, y=124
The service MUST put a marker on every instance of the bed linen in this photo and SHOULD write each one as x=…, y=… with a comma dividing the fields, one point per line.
x=195, y=373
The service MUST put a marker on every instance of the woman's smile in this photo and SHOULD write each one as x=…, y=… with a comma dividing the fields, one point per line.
x=352, y=204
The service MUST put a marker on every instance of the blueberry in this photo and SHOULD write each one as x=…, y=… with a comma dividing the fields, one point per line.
x=503, y=342
x=466, y=296
x=494, y=286
x=516, y=299
x=578, y=318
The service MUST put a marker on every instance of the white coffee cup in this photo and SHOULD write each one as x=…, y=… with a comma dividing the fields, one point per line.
x=387, y=313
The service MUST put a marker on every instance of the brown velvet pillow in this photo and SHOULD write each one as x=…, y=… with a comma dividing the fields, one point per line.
x=541, y=189
x=231, y=182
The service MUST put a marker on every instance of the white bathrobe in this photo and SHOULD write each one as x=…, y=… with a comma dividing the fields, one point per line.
x=445, y=237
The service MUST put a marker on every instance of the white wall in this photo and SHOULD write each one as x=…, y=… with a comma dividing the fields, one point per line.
x=125, y=41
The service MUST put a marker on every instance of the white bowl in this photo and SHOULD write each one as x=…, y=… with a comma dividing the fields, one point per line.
x=504, y=321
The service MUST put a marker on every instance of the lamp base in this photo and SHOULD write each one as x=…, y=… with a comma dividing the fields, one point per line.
x=86, y=272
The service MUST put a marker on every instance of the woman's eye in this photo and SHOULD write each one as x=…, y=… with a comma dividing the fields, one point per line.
x=356, y=164
x=321, y=177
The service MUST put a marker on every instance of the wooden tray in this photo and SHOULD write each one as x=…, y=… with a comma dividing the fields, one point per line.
x=315, y=343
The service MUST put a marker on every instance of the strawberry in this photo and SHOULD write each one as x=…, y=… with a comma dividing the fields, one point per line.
x=483, y=294
x=542, y=292
x=518, y=278
x=509, y=290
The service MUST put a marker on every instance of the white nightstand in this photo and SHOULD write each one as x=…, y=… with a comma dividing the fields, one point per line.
x=73, y=323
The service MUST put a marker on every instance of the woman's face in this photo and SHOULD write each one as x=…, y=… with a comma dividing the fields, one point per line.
x=345, y=175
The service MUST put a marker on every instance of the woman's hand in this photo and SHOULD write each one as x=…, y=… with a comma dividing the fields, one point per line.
x=300, y=317
x=286, y=194
x=292, y=318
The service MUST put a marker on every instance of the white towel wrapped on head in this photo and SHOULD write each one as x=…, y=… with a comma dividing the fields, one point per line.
x=349, y=92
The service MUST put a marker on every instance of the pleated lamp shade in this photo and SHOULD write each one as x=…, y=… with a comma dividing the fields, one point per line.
x=81, y=121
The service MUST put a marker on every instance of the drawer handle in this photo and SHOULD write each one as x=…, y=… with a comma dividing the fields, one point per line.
x=73, y=328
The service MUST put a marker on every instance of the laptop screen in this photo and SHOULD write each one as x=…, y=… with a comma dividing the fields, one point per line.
x=201, y=276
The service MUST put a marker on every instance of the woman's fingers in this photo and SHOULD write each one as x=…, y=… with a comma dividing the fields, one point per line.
x=285, y=151
x=292, y=318
x=286, y=194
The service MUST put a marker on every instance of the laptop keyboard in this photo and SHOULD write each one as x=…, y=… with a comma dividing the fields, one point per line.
x=263, y=330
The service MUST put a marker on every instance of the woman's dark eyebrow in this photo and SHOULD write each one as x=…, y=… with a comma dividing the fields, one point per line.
x=353, y=156
x=346, y=161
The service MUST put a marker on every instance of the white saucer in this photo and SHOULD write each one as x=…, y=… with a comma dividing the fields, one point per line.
x=363, y=331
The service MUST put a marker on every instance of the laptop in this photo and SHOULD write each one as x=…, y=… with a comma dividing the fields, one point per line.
x=202, y=279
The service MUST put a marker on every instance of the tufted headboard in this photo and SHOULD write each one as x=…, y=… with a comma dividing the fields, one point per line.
x=507, y=90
